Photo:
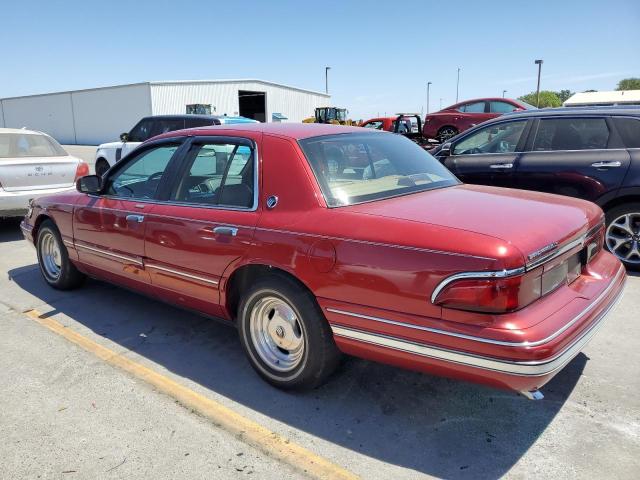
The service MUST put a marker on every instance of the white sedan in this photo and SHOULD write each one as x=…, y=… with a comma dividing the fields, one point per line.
x=32, y=164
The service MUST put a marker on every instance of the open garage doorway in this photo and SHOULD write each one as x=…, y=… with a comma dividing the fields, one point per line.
x=253, y=105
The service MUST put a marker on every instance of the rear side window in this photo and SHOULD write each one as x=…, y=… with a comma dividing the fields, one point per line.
x=629, y=130
x=571, y=134
x=501, y=107
x=219, y=174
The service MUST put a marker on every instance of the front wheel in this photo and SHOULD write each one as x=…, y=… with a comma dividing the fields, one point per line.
x=622, y=236
x=285, y=335
x=53, y=258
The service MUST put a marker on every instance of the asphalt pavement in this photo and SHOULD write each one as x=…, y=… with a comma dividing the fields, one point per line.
x=69, y=414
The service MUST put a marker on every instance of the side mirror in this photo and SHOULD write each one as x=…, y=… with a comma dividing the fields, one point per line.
x=445, y=150
x=89, y=184
x=124, y=137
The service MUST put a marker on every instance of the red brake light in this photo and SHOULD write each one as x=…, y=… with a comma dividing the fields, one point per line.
x=82, y=170
x=492, y=295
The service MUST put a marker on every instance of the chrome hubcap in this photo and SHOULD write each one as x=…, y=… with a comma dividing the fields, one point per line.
x=50, y=255
x=276, y=334
x=623, y=237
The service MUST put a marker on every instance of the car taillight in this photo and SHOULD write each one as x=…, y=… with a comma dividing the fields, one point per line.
x=82, y=170
x=492, y=295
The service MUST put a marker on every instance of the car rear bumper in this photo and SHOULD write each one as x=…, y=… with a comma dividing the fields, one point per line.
x=15, y=204
x=523, y=365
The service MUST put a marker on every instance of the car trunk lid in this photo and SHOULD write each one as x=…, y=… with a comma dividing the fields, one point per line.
x=35, y=173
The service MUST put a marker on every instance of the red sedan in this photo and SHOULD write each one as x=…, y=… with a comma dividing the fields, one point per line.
x=276, y=229
x=457, y=118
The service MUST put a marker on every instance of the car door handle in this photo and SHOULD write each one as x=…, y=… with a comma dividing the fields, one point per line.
x=135, y=218
x=501, y=166
x=606, y=164
x=231, y=231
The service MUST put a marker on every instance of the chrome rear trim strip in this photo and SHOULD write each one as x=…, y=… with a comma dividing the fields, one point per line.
x=109, y=254
x=520, y=368
x=491, y=341
x=181, y=274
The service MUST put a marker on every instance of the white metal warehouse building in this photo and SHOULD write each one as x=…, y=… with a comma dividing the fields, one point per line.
x=97, y=115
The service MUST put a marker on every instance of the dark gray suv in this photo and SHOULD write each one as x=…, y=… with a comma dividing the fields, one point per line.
x=588, y=152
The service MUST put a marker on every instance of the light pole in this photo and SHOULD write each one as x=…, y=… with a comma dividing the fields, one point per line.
x=539, y=63
x=428, y=85
x=503, y=92
x=457, y=84
x=326, y=79
x=441, y=104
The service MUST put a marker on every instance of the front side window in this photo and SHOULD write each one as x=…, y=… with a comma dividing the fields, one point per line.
x=24, y=145
x=219, y=174
x=571, y=134
x=164, y=125
x=140, y=177
x=501, y=107
x=377, y=125
x=477, y=107
x=501, y=138
x=142, y=131
x=355, y=168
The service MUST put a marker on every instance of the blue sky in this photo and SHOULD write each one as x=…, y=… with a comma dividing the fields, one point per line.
x=381, y=53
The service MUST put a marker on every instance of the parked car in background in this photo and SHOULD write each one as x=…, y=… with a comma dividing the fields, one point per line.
x=395, y=261
x=407, y=124
x=31, y=164
x=586, y=152
x=457, y=118
x=108, y=154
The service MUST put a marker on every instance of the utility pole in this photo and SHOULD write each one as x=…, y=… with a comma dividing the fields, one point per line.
x=441, y=104
x=503, y=92
x=326, y=79
x=458, y=85
x=539, y=63
x=428, y=85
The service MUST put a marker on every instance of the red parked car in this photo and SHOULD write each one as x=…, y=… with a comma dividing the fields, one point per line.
x=457, y=118
x=270, y=227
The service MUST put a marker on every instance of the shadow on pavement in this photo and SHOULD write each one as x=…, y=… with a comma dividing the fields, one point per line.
x=10, y=229
x=431, y=425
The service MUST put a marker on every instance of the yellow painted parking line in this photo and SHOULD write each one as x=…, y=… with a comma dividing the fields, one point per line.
x=241, y=427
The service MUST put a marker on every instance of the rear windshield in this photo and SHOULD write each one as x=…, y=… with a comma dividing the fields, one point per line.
x=18, y=145
x=354, y=168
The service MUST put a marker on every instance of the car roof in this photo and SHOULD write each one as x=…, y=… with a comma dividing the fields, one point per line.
x=485, y=99
x=22, y=131
x=295, y=131
x=549, y=112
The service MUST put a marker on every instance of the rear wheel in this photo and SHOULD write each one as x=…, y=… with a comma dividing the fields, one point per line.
x=53, y=258
x=622, y=236
x=445, y=133
x=285, y=335
x=101, y=167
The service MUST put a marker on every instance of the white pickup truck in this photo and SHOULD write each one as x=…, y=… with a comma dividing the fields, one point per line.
x=110, y=153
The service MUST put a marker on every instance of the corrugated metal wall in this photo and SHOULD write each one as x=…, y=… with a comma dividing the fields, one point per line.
x=83, y=117
x=51, y=114
x=168, y=98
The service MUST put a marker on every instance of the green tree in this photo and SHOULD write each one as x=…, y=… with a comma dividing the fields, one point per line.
x=547, y=99
x=564, y=95
x=629, y=84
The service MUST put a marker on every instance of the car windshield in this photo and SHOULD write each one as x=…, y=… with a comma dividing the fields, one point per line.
x=19, y=145
x=354, y=168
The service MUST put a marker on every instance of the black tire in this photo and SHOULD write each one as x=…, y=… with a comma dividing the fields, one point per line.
x=68, y=276
x=632, y=243
x=319, y=356
x=101, y=167
x=445, y=133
